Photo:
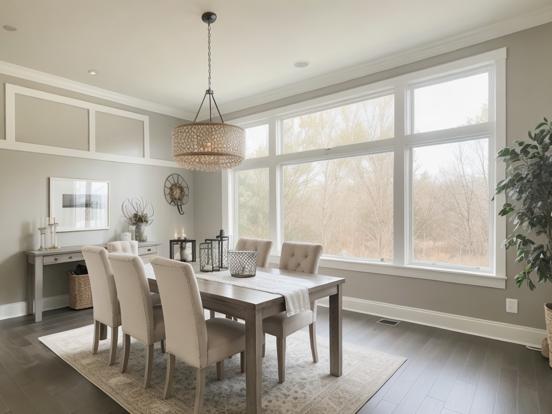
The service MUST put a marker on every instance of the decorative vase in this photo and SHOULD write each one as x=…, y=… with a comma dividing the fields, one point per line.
x=548, y=317
x=140, y=232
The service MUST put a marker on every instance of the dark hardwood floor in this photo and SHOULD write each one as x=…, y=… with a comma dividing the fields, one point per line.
x=446, y=372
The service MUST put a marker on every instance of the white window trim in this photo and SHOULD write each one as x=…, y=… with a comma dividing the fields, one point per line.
x=495, y=62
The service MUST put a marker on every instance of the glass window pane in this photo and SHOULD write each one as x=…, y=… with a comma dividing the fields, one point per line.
x=369, y=120
x=451, y=202
x=256, y=141
x=252, y=203
x=451, y=104
x=344, y=204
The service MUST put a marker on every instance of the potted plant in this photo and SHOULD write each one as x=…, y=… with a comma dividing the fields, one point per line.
x=528, y=188
x=138, y=213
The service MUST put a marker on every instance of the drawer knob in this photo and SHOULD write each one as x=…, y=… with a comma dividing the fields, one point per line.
x=55, y=259
x=149, y=250
x=70, y=257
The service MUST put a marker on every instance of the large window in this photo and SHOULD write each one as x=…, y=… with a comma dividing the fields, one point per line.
x=398, y=174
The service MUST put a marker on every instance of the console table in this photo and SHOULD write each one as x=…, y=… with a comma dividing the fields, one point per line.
x=37, y=259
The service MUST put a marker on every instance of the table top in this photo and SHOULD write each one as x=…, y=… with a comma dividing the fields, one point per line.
x=76, y=249
x=257, y=297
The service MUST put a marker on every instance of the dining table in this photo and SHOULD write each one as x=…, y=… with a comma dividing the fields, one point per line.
x=253, y=305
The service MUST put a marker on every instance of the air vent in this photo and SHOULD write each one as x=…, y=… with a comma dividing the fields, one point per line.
x=388, y=322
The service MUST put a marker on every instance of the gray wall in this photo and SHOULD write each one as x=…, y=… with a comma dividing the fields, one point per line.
x=529, y=98
x=24, y=198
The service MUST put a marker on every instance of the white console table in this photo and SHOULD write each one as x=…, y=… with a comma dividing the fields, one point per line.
x=37, y=259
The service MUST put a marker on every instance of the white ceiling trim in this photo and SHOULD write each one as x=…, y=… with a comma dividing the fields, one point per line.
x=23, y=72
x=470, y=38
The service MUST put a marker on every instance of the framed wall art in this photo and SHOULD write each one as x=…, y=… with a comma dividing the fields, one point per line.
x=79, y=205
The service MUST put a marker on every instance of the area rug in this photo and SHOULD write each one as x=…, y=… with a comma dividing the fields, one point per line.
x=308, y=387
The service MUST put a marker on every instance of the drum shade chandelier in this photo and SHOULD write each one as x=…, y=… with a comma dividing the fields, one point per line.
x=208, y=145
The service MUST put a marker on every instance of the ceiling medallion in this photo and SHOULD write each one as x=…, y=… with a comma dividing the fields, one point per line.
x=208, y=145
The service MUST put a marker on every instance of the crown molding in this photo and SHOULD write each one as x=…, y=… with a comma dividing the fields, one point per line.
x=29, y=74
x=411, y=55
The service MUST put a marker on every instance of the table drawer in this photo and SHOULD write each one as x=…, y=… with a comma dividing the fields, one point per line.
x=63, y=258
x=142, y=251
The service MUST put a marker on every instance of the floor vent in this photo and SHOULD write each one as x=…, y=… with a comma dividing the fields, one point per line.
x=388, y=322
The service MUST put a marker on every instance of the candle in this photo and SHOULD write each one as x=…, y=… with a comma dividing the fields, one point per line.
x=207, y=268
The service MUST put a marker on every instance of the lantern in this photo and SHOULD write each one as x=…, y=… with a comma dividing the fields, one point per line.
x=209, y=256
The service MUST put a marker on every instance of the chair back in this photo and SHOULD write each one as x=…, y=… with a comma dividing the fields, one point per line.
x=300, y=257
x=261, y=246
x=185, y=329
x=128, y=247
x=134, y=296
x=102, y=284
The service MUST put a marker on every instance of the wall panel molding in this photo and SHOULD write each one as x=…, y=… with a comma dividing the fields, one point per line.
x=11, y=143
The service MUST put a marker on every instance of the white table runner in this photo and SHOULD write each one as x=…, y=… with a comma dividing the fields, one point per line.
x=295, y=290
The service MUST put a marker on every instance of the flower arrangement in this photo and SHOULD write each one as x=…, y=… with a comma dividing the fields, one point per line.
x=137, y=211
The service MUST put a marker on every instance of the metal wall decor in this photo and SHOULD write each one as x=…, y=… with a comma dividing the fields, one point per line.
x=177, y=192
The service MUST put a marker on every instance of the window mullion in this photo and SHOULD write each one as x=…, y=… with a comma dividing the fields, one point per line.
x=398, y=178
x=274, y=187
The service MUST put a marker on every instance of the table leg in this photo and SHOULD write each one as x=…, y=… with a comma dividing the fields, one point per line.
x=336, y=348
x=253, y=364
x=38, y=276
x=30, y=288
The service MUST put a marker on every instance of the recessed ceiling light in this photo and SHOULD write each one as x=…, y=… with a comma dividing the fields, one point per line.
x=9, y=28
x=92, y=72
x=301, y=64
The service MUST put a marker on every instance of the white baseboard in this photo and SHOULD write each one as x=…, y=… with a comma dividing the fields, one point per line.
x=501, y=331
x=13, y=310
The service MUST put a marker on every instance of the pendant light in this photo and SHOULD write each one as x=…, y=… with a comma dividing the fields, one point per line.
x=208, y=145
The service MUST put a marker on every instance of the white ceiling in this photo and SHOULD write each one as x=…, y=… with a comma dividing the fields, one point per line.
x=156, y=50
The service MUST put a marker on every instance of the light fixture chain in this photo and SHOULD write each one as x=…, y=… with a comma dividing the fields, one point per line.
x=209, y=53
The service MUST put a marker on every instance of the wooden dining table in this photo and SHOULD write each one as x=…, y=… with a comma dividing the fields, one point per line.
x=253, y=306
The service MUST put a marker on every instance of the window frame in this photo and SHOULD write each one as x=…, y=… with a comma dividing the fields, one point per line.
x=401, y=145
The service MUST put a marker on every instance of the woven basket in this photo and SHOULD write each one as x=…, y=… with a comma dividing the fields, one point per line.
x=548, y=317
x=80, y=295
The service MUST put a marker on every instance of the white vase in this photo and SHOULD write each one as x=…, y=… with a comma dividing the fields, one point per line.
x=141, y=233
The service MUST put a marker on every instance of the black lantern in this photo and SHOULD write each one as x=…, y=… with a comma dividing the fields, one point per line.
x=223, y=247
x=209, y=256
x=182, y=249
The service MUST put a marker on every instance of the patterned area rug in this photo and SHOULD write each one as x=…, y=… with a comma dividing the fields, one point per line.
x=308, y=387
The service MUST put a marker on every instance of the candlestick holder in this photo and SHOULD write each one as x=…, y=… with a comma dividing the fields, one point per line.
x=42, y=231
x=53, y=235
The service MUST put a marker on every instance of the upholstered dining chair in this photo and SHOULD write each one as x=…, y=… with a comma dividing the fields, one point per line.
x=190, y=338
x=104, y=297
x=261, y=246
x=128, y=247
x=140, y=319
x=295, y=257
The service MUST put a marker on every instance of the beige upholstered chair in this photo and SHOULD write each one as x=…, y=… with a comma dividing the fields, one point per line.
x=139, y=318
x=190, y=337
x=262, y=247
x=304, y=258
x=104, y=296
x=128, y=247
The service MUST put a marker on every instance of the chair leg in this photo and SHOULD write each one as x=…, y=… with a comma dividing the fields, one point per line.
x=200, y=386
x=96, y=341
x=242, y=362
x=126, y=351
x=170, y=376
x=149, y=365
x=281, y=352
x=163, y=349
x=211, y=314
x=220, y=370
x=314, y=348
x=114, y=340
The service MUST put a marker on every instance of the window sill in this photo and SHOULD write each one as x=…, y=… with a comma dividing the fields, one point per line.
x=417, y=272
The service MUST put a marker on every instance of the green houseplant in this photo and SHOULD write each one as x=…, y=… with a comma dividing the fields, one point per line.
x=528, y=188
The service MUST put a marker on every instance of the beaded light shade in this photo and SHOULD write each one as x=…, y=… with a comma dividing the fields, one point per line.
x=208, y=146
